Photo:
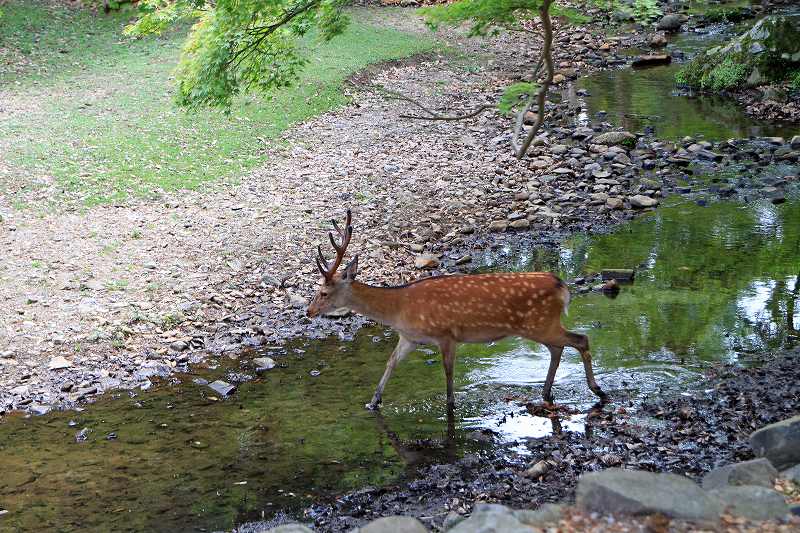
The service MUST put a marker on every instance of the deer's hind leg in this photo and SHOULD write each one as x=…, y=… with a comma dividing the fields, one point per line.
x=555, y=344
x=581, y=343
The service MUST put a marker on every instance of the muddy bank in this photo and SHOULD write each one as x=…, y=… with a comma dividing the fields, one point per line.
x=687, y=433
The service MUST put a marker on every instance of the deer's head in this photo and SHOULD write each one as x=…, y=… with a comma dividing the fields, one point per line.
x=334, y=289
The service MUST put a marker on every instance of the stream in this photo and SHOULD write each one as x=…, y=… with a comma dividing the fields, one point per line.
x=716, y=282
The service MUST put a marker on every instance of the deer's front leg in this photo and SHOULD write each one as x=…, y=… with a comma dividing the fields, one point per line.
x=448, y=349
x=403, y=348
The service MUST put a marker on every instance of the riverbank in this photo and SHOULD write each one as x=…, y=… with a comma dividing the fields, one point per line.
x=688, y=433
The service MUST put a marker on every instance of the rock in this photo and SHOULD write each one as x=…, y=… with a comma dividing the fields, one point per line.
x=290, y=528
x=658, y=40
x=671, y=22
x=537, y=470
x=522, y=223
x=39, y=409
x=559, y=78
x=498, y=226
x=614, y=203
x=297, y=301
x=547, y=515
x=264, y=363
x=615, y=137
x=492, y=521
x=795, y=142
x=426, y=261
x=179, y=346
x=619, y=274
x=792, y=474
x=755, y=472
x=221, y=387
x=58, y=362
x=755, y=503
x=340, y=312
x=394, y=524
x=640, y=201
x=779, y=442
x=651, y=60
x=637, y=493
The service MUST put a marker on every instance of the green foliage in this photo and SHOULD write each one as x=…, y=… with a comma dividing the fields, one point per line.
x=716, y=76
x=795, y=83
x=646, y=10
x=239, y=46
x=514, y=95
x=491, y=16
x=106, y=130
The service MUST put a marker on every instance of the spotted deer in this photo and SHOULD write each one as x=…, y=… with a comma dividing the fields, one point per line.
x=448, y=310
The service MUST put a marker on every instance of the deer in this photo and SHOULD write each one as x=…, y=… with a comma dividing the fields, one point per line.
x=447, y=310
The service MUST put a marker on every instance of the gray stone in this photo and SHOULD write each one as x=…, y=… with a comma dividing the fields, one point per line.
x=264, y=363
x=755, y=503
x=492, y=522
x=394, y=524
x=58, y=362
x=290, y=528
x=614, y=137
x=671, y=23
x=222, y=387
x=792, y=474
x=755, y=472
x=522, y=223
x=614, y=203
x=619, y=274
x=498, y=226
x=640, y=201
x=638, y=493
x=795, y=142
x=179, y=346
x=547, y=515
x=779, y=442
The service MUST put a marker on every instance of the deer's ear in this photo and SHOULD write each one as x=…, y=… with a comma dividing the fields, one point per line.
x=351, y=269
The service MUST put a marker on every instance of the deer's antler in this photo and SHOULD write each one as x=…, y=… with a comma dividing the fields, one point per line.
x=345, y=234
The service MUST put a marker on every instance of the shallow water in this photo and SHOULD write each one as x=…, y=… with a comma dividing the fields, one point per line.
x=713, y=283
x=636, y=99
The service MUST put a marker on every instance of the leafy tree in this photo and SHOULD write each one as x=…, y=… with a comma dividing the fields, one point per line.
x=239, y=45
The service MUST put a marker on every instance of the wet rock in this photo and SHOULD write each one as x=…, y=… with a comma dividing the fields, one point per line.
x=426, y=261
x=611, y=138
x=651, y=60
x=178, y=346
x=755, y=503
x=221, y=387
x=671, y=22
x=636, y=492
x=640, y=201
x=779, y=442
x=522, y=223
x=537, y=470
x=795, y=142
x=39, y=409
x=59, y=362
x=619, y=274
x=658, y=40
x=264, y=363
x=615, y=203
x=755, y=472
x=547, y=515
x=394, y=524
x=297, y=301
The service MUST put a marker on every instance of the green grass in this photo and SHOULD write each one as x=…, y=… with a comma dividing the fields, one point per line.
x=100, y=118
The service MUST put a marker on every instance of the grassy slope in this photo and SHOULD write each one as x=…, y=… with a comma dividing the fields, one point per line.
x=98, y=111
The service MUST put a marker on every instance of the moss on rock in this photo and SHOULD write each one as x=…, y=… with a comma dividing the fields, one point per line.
x=767, y=52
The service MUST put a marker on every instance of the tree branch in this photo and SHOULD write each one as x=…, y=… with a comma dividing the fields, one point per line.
x=541, y=95
x=431, y=114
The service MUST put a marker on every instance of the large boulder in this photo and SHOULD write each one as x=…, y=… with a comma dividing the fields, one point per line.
x=547, y=515
x=755, y=503
x=767, y=52
x=618, y=491
x=492, y=519
x=756, y=472
x=615, y=137
x=671, y=22
x=792, y=474
x=779, y=442
x=394, y=524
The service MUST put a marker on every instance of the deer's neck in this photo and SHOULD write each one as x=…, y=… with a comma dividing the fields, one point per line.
x=379, y=303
